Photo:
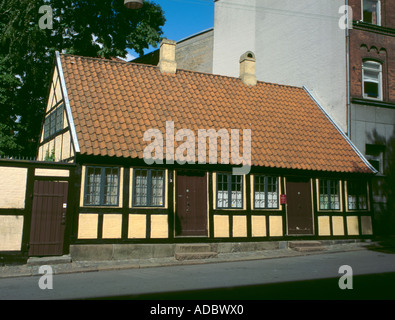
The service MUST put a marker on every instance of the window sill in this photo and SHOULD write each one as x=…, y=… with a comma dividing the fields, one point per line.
x=373, y=102
x=360, y=25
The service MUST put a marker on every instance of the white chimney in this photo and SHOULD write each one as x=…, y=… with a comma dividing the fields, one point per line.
x=247, y=68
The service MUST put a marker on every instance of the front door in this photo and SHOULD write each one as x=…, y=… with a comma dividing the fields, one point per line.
x=299, y=207
x=48, y=218
x=191, y=204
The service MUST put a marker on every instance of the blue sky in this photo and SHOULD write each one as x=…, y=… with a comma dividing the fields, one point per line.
x=185, y=17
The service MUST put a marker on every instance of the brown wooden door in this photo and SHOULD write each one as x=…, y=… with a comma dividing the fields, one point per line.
x=48, y=218
x=191, y=205
x=299, y=207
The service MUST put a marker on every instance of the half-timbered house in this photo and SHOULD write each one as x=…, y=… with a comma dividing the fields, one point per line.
x=304, y=180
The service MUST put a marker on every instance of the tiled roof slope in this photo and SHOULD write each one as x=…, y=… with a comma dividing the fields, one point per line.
x=114, y=103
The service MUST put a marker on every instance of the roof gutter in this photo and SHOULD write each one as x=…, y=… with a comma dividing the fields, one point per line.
x=67, y=104
x=341, y=132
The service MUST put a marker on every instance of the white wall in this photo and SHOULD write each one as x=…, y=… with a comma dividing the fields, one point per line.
x=296, y=43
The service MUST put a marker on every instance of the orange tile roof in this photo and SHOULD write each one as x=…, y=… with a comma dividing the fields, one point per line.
x=113, y=103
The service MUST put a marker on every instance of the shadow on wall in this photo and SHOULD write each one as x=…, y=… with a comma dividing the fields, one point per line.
x=384, y=184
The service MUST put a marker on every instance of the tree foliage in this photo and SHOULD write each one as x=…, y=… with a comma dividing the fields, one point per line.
x=96, y=28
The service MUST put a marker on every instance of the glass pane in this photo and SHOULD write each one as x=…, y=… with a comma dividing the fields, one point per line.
x=371, y=89
x=52, y=123
x=92, y=196
x=272, y=198
x=222, y=192
x=222, y=199
x=140, y=187
x=370, y=11
x=157, y=183
x=324, y=198
x=236, y=194
x=46, y=128
x=259, y=189
x=111, y=186
x=59, y=118
x=334, y=192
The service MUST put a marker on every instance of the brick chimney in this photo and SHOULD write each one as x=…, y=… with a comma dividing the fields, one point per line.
x=167, y=56
x=247, y=68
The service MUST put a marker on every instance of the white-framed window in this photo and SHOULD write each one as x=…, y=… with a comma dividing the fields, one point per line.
x=265, y=192
x=372, y=80
x=371, y=12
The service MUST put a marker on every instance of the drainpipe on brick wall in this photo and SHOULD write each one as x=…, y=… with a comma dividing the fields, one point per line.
x=348, y=72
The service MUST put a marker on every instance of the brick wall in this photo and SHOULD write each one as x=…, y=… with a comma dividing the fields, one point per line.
x=373, y=43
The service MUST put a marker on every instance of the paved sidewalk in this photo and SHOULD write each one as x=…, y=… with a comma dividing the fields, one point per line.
x=63, y=265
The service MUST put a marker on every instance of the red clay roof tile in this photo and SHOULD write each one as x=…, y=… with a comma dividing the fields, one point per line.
x=113, y=103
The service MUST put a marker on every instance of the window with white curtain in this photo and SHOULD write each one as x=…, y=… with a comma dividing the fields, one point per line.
x=265, y=192
x=229, y=191
x=329, y=194
x=148, y=188
x=101, y=186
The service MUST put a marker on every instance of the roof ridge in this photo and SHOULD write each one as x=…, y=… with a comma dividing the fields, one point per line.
x=105, y=60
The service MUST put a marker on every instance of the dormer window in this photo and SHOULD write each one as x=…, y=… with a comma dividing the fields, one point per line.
x=372, y=80
x=371, y=11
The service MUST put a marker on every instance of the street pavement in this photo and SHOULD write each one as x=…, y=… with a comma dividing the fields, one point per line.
x=277, y=274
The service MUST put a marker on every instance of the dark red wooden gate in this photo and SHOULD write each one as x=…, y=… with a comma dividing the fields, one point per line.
x=299, y=207
x=48, y=218
x=191, y=198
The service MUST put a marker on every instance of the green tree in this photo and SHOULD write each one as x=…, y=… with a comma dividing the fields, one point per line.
x=96, y=28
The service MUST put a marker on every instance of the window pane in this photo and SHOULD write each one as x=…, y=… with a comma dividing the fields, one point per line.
x=372, y=79
x=371, y=89
x=46, y=128
x=157, y=183
x=222, y=192
x=59, y=118
x=111, y=186
x=140, y=187
x=334, y=193
x=236, y=194
x=92, y=196
x=324, y=199
x=272, y=198
x=371, y=11
x=357, y=195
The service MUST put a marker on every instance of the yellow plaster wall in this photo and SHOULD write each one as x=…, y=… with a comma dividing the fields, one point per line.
x=51, y=172
x=275, y=226
x=324, y=228
x=221, y=226
x=112, y=226
x=11, y=230
x=159, y=226
x=137, y=226
x=239, y=226
x=87, y=226
x=337, y=226
x=12, y=187
x=352, y=226
x=258, y=226
x=366, y=225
